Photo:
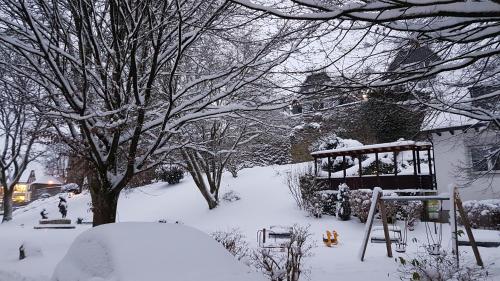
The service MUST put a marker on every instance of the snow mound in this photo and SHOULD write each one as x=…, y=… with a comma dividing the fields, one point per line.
x=149, y=251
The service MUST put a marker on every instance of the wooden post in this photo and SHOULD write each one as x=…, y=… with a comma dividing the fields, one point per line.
x=414, y=162
x=376, y=163
x=453, y=223
x=395, y=163
x=330, y=172
x=418, y=162
x=360, y=166
x=315, y=166
x=429, y=159
x=383, y=214
x=344, y=167
x=468, y=229
x=369, y=222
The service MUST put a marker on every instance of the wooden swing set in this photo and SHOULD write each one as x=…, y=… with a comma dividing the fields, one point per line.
x=378, y=199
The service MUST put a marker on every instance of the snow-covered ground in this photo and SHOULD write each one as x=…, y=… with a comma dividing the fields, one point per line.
x=265, y=201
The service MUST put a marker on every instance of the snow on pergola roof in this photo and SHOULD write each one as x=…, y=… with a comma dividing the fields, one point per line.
x=374, y=148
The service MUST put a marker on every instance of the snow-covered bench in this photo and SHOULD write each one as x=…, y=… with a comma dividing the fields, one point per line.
x=54, y=221
x=275, y=237
x=54, y=226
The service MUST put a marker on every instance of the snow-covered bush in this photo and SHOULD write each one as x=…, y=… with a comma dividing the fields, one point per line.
x=332, y=141
x=286, y=265
x=327, y=201
x=383, y=168
x=301, y=184
x=170, y=174
x=231, y=196
x=314, y=198
x=442, y=267
x=234, y=241
x=71, y=187
x=410, y=210
x=360, y=201
x=483, y=213
x=392, y=208
x=344, y=209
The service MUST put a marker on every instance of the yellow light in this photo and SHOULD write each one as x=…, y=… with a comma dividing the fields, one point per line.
x=51, y=182
x=19, y=198
x=20, y=187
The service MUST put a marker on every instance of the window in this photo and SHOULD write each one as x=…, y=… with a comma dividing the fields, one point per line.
x=485, y=158
x=488, y=103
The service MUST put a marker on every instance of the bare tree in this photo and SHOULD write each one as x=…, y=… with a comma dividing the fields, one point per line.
x=117, y=75
x=213, y=144
x=20, y=129
x=464, y=35
x=460, y=75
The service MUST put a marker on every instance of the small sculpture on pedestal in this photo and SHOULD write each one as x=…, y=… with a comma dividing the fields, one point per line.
x=63, y=207
x=43, y=213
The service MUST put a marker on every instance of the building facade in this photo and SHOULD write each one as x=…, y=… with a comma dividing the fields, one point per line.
x=467, y=154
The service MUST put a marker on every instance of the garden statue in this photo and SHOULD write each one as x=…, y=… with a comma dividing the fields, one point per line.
x=343, y=207
x=43, y=213
x=63, y=207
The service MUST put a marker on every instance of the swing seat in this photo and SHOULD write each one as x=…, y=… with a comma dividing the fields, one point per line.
x=400, y=247
x=434, y=249
x=379, y=237
x=393, y=228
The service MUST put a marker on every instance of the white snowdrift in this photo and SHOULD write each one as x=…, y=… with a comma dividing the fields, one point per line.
x=149, y=251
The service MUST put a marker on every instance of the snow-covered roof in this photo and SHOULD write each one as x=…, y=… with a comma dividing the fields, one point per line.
x=33, y=166
x=47, y=180
x=444, y=120
x=372, y=148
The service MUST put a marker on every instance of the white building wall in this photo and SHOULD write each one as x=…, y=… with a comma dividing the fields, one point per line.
x=451, y=155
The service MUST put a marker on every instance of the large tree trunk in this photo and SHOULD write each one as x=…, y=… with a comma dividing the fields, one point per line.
x=104, y=201
x=104, y=206
x=7, y=204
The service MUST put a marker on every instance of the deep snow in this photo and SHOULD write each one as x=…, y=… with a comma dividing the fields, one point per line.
x=132, y=251
x=265, y=201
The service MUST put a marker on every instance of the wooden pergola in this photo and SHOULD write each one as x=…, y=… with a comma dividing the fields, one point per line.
x=417, y=180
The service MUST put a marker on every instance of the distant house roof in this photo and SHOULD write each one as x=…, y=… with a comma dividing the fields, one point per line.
x=35, y=166
x=319, y=87
x=47, y=180
x=445, y=121
x=412, y=55
x=315, y=82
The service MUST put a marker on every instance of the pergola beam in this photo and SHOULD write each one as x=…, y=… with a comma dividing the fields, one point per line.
x=374, y=148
